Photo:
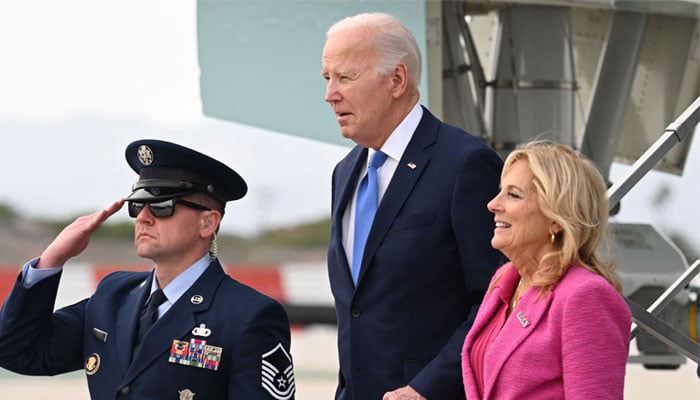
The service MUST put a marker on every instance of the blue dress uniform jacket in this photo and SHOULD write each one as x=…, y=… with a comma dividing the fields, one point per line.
x=427, y=263
x=248, y=328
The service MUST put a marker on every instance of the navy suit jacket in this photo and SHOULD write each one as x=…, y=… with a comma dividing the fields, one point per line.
x=427, y=264
x=98, y=334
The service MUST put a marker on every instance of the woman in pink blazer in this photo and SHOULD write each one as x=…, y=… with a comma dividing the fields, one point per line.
x=553, y=324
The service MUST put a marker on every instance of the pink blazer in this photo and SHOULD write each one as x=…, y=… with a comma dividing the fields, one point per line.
x=571, y=344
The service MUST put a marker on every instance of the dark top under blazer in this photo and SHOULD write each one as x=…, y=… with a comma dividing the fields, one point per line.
x=427, y=264
x=36, y=341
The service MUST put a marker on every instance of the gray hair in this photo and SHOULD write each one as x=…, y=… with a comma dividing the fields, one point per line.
x=393, y=43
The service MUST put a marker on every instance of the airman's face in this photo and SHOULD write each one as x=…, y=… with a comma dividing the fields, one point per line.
x=170, y=238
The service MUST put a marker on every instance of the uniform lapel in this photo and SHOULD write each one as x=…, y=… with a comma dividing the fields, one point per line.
x=127, y=321
x=178, y=322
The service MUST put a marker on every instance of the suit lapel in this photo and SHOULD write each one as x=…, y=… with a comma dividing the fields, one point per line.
x=347, y=178
x=178, y=322
x=401, y=185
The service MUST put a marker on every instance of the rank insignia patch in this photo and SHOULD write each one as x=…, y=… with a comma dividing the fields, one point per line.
x=195, y=353
x=278, y=373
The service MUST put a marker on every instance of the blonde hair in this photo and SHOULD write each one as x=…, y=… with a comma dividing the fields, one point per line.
x=392, y=42
x=572, y=192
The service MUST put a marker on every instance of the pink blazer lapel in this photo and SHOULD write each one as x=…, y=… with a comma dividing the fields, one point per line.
x=522, y=322
x=487, y=311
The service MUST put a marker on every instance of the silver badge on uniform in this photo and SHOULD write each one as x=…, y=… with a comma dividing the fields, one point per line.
x=145, y=155
x=100, y=335
x=197, y=299
x=201, y=330
x=186, y=394
x=278, y=373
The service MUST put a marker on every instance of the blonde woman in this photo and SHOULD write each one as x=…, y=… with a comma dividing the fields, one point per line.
x=553, y=324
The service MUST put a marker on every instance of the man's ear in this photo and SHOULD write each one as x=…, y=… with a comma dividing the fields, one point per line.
x=400, y=80
x=211, y=221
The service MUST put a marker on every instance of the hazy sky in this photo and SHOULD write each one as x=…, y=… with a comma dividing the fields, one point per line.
x=80, y=79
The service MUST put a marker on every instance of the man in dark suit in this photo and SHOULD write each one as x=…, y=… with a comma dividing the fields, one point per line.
x=405, y=302
x=185, y=329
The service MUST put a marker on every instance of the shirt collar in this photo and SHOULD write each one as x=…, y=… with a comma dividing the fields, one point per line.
x=178, y=286
x=397, y=142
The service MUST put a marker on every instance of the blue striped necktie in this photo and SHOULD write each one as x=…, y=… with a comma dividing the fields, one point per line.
x=365, y=208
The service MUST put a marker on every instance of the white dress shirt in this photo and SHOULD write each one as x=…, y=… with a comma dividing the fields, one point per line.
x=394, y=147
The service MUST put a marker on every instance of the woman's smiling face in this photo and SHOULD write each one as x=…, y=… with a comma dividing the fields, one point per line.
x=522, y=230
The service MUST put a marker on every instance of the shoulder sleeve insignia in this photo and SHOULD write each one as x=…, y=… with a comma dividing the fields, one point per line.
x=278, y=373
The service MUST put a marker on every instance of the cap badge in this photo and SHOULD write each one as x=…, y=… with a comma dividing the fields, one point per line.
x=145, y=155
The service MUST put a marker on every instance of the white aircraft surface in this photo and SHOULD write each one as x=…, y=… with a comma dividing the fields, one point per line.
x=618, y=80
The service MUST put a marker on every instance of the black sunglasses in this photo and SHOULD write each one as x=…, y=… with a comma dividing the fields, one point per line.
x=164, y=208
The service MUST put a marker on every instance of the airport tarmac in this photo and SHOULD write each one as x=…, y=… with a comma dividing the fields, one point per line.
x=315, y=360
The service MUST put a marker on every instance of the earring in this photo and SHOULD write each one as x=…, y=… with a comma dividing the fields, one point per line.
x=551, y=238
